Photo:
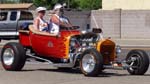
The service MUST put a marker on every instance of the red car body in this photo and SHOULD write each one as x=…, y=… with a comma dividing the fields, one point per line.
x=49, y=46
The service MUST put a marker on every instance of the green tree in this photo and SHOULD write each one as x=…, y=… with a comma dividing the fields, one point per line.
x=16, y=1
x=75, y=4
x=90, y=4
x=46, y=3
x=84, y=4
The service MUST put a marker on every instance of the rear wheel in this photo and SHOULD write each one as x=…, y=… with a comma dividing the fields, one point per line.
x=13, y=57
x=138, y=62
x=91, y=63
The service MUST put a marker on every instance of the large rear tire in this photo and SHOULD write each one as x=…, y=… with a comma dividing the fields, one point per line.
x=13, y=56
x=91, y=63
x=138, y=62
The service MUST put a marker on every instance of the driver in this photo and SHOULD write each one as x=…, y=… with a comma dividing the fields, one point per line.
x=56, y=20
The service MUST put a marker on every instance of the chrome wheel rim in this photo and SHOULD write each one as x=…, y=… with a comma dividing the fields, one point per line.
x=88, y=63
x=134, y=62
x=8, y=56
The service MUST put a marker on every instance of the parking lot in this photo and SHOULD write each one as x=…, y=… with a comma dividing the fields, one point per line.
x=45, y=74
x=39, y=73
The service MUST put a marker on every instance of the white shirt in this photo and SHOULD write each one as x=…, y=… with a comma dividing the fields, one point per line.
x=55, y=27
x=42, y=24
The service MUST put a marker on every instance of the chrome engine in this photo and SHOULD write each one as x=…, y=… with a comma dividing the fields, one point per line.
x=79, y=42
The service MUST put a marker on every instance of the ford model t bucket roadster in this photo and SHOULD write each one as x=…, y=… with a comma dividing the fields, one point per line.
x=88, y=51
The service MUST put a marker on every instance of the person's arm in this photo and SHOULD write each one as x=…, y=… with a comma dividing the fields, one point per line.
x=36, y=24
x=69, y=22
x=56, y=20
x=40, y=32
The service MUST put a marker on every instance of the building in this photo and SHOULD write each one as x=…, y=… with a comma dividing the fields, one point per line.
x=126, y=4
x=16, y=1
x=21, y=6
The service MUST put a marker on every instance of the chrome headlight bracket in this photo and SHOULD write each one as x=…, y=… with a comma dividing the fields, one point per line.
x=118, y=49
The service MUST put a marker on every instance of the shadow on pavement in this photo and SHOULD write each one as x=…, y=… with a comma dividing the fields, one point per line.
x=77, y=71
x=70, y=71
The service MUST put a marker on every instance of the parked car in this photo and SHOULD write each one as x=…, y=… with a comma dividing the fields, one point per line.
x=10, y=22
x=72, y=49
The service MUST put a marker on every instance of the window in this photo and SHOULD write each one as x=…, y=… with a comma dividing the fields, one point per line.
x=26, y=16
x=3, y=16
x=13, y=16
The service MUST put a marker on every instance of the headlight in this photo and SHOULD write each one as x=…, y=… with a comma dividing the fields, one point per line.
x=83, y=32
x=72, y=42
x=118, y=49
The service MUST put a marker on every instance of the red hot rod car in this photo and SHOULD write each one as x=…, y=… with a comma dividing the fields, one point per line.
x=71, y=48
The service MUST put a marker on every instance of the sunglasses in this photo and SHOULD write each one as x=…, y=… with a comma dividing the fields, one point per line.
x=41, y=11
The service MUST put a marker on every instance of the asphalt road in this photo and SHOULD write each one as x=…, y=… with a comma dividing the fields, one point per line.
x=37, y=73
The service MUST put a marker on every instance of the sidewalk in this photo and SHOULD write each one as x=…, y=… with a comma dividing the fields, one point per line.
x=134, y=43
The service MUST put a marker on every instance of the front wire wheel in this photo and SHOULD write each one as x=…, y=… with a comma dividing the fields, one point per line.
x=138, y=62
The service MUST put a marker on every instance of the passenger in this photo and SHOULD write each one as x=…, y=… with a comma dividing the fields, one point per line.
x=39, y=23
x=56, y=20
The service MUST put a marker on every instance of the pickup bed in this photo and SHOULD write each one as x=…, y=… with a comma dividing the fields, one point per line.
x=11, y=21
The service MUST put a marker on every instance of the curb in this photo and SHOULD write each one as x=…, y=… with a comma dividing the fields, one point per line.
x=124, y=43
x=142, y=47
x=136, y=46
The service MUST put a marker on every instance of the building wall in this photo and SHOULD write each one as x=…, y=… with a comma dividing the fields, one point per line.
x=124, y=24
x=108, y=20
x=135, y=24
x=125, y=4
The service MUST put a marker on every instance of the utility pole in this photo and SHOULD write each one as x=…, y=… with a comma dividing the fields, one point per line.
x=68, y=4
